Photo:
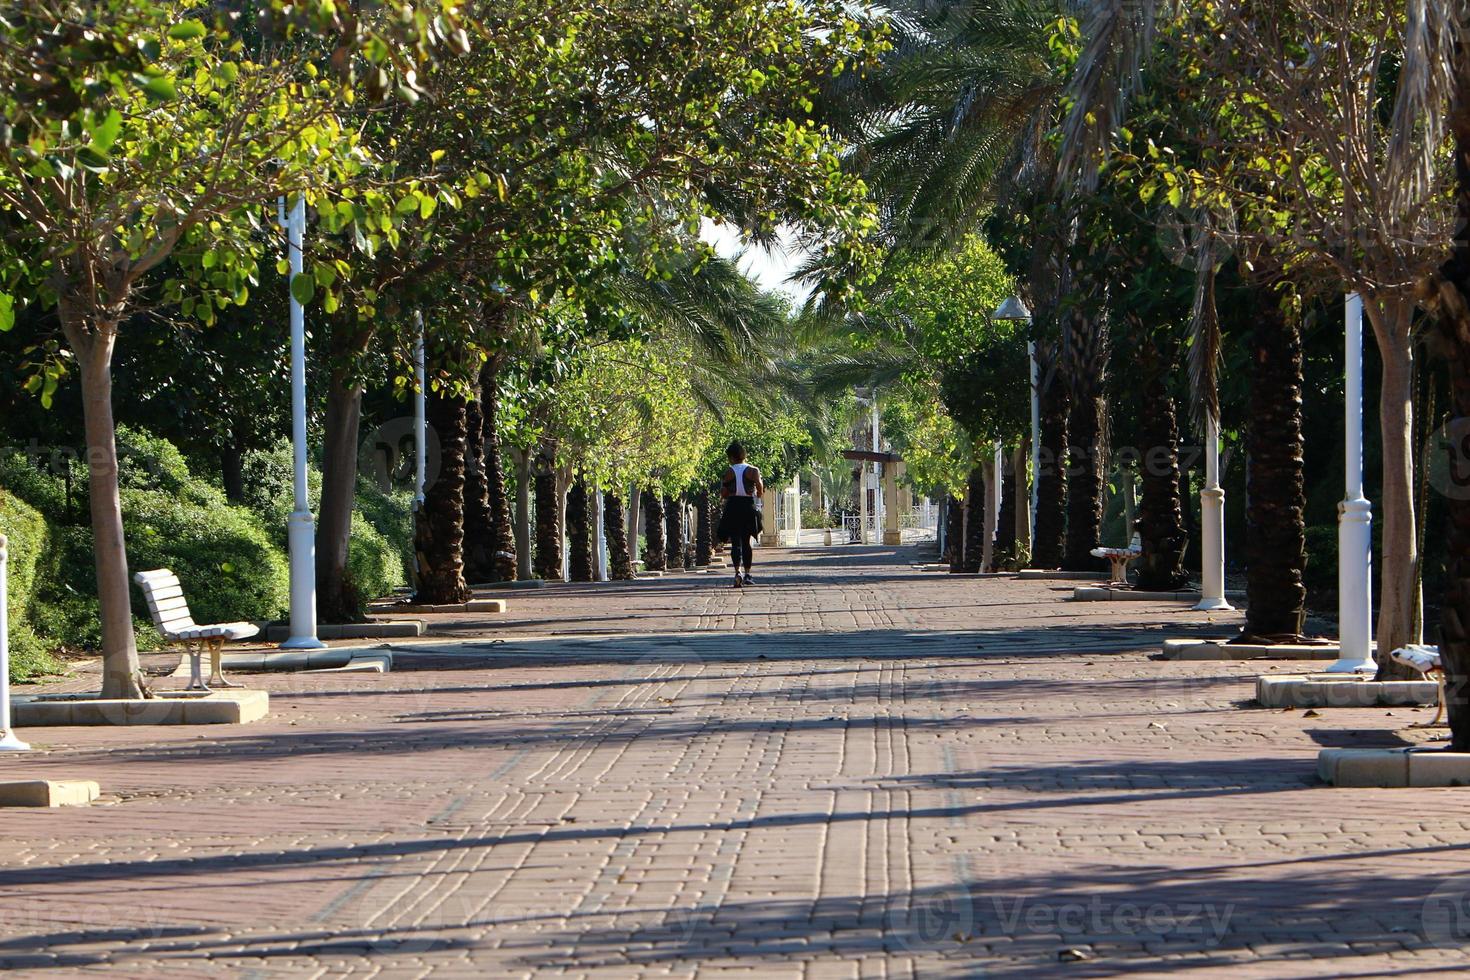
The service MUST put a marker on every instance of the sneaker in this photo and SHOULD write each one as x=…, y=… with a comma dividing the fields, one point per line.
x=738, y=582
x=748, y=579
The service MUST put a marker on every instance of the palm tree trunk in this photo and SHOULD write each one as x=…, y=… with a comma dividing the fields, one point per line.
x=1084, y=483
x=1051, y=486
x=704, y=529
x=1005, y=530
x=479, y=533
x=954, y=533
x=525, y=482
x=548, y=516
x=654, y=557
x=502, y=533
x=439, y=533
x=674, y=522
x=1160, y=511
x=579, y=532
x=1275, y=536
x=619, y=562
x=975, y=520
x=1451, y=300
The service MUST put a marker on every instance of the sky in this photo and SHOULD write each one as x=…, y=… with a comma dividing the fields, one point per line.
x=769, y=267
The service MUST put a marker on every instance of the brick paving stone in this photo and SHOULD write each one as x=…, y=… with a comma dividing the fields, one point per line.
x=855, y=769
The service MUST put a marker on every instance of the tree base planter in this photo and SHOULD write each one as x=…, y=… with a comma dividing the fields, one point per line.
x=237, y=707
x=1222, y=650
x=338, y=658
x=392, y=629
x=1106, y=593
x=1342, y=691
x=1051, y=574
x=1393, y=768
x=48, y=793
x=473, y=606
x=524, y=583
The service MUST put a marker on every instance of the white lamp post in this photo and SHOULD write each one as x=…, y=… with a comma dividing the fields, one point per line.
x=1014, y=309
x=1355, y=518
x=599, y=515
x=8, y=741
x=420, y=422
x=1212, y=526
x=301, y=528
x=878, y=502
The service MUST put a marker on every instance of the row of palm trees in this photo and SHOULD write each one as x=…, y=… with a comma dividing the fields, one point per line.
x=1024, y=118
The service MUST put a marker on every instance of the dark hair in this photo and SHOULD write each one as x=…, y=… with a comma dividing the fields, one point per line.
x=736, y=453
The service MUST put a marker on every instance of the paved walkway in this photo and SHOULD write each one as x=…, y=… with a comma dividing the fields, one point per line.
x=855, y=769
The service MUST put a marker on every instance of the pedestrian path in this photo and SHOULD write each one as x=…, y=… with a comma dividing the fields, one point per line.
x=856, y=769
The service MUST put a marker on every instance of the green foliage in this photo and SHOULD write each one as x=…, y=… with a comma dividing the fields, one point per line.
x=30, y=547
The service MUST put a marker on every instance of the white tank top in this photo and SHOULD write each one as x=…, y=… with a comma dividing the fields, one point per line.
x=739, y=470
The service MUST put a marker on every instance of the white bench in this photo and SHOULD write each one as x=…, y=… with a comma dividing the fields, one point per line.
x=1426, y=660
x=1120, y=559
x=171, y=617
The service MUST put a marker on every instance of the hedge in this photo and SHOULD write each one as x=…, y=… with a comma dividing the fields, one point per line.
x=29, y=546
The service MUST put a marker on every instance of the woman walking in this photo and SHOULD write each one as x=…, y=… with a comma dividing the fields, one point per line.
x=740, y=521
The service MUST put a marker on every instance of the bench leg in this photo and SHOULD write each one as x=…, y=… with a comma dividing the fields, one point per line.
x=196, y=675
x=216, y=671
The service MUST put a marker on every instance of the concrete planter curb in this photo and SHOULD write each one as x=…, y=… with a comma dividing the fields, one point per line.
x=1104, y=593
x=48, y=793
x=1341, y=691
x=527, y=583
x=1393, y=768
x=235, y=707
x=1047, y=574
x=392, y=629
x=290, y=661
x=1221, y=650
x=473, y=606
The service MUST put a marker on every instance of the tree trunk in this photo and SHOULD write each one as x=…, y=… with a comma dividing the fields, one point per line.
x=232, y=470
x=1005, y=530
x=619, y=562
x=674, y=539
x=1160, y=521
x=579, y=532
x=635, y=503
x=654, y=557
x=479, y=533
x=987, y=542
x=1398, y=603
x=1084, y=483
x=704, y=529
x=336, y=599
x=1451, y=301
x=524, y=481
x=1051, y=485
x=548, y=517
x=439, y=535
x=1275, y=535
x=975, y=521
x=954, y=533
x=502, y=537
x=121, y=676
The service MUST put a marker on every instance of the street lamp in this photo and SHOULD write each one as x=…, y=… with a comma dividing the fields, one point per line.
x=1355, y=516
x=1013, y=309
x=301, y=528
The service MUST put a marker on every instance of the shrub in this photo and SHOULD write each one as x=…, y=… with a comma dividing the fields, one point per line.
x=229, y=567
x=374, y=564
x=30, y=551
